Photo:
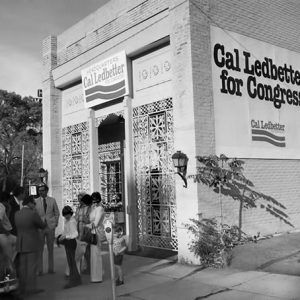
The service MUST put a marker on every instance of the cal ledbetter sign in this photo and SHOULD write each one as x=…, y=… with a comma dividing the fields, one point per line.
x=256, y=90
x=106, y=80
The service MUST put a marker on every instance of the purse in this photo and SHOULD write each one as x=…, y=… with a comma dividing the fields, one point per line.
x=89, y=235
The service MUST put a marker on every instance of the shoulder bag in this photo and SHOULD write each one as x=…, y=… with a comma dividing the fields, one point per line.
x=89, y=235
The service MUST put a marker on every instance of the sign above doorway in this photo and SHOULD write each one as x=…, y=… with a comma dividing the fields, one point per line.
x=106, y=80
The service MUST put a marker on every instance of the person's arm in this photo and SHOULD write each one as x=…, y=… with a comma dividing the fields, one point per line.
x=38, y=221
x=99, y=215
x=2, y=211
x=56, y=212
x=2, y=229
x=73, y=234
x=123, y=245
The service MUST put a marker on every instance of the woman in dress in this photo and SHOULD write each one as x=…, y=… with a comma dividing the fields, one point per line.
x=82, y=217
x=96, y=222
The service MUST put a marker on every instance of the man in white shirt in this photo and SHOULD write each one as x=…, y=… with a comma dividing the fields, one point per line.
x=68, y=239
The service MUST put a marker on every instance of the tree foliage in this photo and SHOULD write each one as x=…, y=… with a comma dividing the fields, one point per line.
x=20, y=124
x=226, y=177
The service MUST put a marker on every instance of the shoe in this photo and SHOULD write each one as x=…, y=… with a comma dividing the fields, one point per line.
x=67, y=277
x=51, y=272
x=40, y=273
x=70, y=285
x=119, y=282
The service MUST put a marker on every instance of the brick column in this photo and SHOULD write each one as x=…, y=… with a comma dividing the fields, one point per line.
x=94, y=161
x=129, y=184
x=184, y=121
x=52, y=158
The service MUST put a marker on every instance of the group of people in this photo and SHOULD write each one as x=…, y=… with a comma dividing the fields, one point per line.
x=28, y=223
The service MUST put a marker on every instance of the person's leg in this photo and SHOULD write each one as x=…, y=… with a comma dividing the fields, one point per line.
x=31, y=270
x=13, y=240
x=119, y=273
x=79, y=253
x=22, y=272
x=118, y=259
x=50, y=238
x=41, y=252
x=87, y=257
x=6, y=246
x=70, y=246
x=96, y=263
x=68, y=258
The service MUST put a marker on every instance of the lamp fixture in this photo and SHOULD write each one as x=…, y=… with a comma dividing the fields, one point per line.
x=43, y=174
x=180, y=161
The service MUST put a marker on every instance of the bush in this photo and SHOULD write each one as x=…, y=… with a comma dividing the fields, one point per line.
x=213, y=242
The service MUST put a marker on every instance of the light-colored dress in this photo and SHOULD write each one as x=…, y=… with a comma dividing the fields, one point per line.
x=96, y=218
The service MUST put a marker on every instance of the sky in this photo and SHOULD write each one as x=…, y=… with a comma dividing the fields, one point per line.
x=23, y=26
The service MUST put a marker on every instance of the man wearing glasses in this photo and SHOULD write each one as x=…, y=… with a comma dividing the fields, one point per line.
x=48, y=210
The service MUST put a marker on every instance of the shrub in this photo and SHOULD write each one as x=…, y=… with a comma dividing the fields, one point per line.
x=213, y=242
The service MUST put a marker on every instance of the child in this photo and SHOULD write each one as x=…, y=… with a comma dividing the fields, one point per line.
x=68, y=239
x=119, y=247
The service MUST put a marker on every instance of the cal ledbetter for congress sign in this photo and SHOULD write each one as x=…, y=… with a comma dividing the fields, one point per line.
x=106, y=80
x=256, y=89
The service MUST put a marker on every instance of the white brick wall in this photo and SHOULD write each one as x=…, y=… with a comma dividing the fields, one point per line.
x=277, y=23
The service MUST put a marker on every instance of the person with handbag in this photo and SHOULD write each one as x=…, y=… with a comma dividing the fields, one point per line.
x=68, y=239
x=82, y=217
x=96, y=225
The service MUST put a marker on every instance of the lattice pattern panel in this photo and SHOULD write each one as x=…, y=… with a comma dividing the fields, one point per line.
x=154, y=176
x=75, y=151
x=110, y=174
x=99, y=120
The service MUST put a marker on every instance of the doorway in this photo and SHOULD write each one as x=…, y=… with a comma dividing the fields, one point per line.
x=111, y=136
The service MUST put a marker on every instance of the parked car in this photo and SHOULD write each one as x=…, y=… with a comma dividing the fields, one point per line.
x=8, y=277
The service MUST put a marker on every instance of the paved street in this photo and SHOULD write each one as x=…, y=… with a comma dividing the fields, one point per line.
x=162, y=279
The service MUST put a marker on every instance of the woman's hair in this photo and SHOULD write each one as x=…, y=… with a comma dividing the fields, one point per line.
x=18, y=190
x=87, y=200
x=67, y=210
x=119, y=229
x=45, y=186
x=4, y=196
x=96, y=197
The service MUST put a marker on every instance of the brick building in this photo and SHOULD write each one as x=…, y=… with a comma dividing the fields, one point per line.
x=186, y=88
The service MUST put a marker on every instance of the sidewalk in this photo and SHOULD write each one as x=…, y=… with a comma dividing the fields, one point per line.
x=162, y=279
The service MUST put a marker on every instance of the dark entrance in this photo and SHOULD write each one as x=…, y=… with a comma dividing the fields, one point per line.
x=111, y=136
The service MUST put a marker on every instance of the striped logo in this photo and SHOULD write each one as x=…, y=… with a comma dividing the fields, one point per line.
x=268, y=137
x=106, y=92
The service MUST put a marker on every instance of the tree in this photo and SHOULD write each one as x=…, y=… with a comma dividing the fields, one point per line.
x=20, y=124
x=225, y=176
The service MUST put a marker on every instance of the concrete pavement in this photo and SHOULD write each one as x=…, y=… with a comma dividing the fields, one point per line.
x=163, y=279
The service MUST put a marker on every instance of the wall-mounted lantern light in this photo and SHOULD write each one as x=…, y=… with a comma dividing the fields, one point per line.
x=180, y=161
x=43, y=174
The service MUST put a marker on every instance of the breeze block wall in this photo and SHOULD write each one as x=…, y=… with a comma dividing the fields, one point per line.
x=275, y=22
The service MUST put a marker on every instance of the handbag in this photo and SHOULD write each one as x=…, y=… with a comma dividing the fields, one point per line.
x=89, y=235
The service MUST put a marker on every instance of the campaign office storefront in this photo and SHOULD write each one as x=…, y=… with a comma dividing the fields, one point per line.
x=136, y=81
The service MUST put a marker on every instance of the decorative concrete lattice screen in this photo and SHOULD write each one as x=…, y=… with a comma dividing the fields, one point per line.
x=76, y=166
x=154, y=175
x=110, y=167
x=110, y=171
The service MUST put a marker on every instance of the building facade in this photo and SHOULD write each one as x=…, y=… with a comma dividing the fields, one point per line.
x=197, y=78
